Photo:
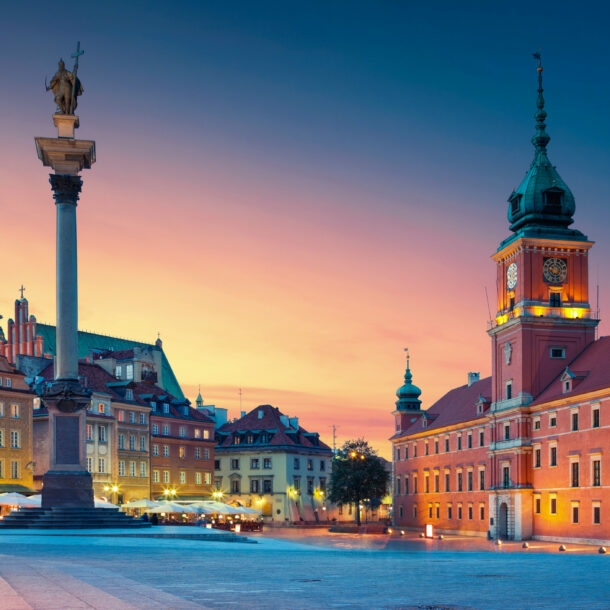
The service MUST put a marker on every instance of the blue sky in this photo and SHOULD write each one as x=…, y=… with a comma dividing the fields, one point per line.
x=309, y=187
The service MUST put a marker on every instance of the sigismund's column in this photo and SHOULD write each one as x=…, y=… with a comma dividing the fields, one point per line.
x=67, y=483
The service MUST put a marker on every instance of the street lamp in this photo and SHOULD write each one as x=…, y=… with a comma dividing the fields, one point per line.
x=217, y=495
x=170, y=494
x=113, y=490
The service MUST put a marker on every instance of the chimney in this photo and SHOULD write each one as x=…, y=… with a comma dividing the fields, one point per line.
x=472, y=378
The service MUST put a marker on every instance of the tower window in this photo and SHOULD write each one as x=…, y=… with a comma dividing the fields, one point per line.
x=558, y=352
x=555, y=299
x=552, y=201
x=515, y=204
x=509, y=390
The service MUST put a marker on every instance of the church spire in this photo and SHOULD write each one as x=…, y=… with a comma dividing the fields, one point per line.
x=542, y=205
x=408, y=394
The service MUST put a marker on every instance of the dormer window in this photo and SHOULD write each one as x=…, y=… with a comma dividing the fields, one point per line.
x=165, y=408
x=567, y=386
x=128, y=394
x=118, y=371
x=515, y=204
x=552, y=201
x=129, y=371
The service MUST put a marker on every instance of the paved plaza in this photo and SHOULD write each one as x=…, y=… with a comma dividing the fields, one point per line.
x=287, y=569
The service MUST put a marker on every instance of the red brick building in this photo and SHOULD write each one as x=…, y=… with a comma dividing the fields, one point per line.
x=524, y=453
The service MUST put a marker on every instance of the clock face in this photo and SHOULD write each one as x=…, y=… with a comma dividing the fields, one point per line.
x=511, y=276
x=555, y=270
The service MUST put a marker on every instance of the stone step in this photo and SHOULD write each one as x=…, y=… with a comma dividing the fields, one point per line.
x=70, y=518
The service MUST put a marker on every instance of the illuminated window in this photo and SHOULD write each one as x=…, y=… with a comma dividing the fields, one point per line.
x=120, y=415
x=15, y=411
x=101, y=407
x=89, y=432
x=182, y=452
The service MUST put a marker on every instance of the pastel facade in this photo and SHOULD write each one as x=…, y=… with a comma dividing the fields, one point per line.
x=265, y=460
x=524, y=453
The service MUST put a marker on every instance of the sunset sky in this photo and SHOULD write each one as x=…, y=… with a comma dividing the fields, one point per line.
x=291, y=193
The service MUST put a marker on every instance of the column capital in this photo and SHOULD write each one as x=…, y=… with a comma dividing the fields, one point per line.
x=66, y=188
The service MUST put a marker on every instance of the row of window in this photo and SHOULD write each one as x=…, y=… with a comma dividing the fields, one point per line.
x=15, y=470
x=459, y=445
x=198, y=433
x=15, y=439
x=182, y=452
x=200, y=478
x=265, y=486
x=434, y=511
x=14, y=410
x=575, y=419
x=575, y=512
x=462, y=483
x=133, y=442
x=255, y=464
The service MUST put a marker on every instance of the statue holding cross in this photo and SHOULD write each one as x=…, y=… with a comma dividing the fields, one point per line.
x=66, y=85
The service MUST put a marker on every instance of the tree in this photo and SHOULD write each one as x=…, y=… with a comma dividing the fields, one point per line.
x=358, y=474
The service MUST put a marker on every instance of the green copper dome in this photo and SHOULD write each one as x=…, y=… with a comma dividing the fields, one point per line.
x=408, y=394
x=542, y=205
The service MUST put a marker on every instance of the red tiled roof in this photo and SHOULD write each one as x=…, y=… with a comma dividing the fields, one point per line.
x=268, y=418
x=456, y=406
x=593, y=364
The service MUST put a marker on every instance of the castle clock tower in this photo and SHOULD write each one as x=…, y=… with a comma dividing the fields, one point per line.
x=544, y=318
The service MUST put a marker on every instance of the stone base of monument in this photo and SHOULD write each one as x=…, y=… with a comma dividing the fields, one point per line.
x=67, y=489
x=69, y=519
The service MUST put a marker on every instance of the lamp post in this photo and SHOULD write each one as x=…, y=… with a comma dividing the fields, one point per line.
x=113, y=490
